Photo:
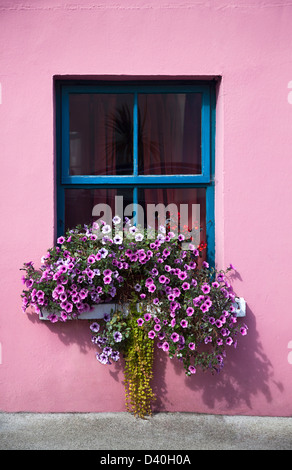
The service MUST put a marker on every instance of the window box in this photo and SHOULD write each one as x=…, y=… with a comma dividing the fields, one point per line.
x=99, y=310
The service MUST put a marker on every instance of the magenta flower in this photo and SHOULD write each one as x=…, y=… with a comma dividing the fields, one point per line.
x=243, y=330
x=192, y=346
x=140, y=321
x=176, y=292
x=205, y=288
x=151, y=334
x=107, y=279
x=165, y=346
x=53, y=318
x=184, y=324
x=175, y=337
x=94, y=327
x=190, y=311
x=182, y=275
x=152, y=288
x=162, y=279
x=185, y=286
x=192, y=369
x=148, y=281
x=204, y=308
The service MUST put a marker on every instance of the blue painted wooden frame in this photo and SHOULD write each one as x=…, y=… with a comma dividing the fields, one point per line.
x=205, y=179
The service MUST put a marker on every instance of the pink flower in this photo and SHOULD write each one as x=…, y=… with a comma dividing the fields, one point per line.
x=205, y=288
x=165, y=346
x=53, y=318
x=192, y=369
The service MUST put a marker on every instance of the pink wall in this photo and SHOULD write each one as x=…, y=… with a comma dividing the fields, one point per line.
x=53, y=367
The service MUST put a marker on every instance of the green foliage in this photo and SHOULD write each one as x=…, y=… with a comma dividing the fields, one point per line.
x=138, y=368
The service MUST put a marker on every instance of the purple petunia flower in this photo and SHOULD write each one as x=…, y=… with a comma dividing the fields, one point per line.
x=243, y=330
x=117, y=336
x=190, y=311
x=192, y=369
x=107, y=350
x=147, y=317
x=106, y=317
x=102, y=358
x=53, y=318
x=175, y=337
x=176, y=292
x=184, y=323
x=205, y=288
x=107, y=279
x=192, y=346
x=182, y=275
x=151, y=334
x=115, y=356
x=94, y=327
x=140, y=321
x=204, y=308
x=162, y=279
x=165, y=346
x=91, y=259
x=185, y=286
x=152, y=288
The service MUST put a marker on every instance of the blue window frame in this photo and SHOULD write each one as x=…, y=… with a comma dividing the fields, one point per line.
x=133, y=179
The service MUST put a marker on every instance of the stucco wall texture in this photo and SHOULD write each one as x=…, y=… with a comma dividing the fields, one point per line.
x=52, y=368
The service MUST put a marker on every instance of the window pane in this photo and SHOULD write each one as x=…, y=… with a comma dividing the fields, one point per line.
x=169, y=133
x=101, y=134
x=79, y=204
x=178, y=197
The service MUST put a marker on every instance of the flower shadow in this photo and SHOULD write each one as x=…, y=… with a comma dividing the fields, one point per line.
x=69, y=332
x=247, y=373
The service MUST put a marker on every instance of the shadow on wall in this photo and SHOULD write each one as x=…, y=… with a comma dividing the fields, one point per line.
x=247, y=373
x=70, y=332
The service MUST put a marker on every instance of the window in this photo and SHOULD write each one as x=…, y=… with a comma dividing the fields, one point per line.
x=147, y=142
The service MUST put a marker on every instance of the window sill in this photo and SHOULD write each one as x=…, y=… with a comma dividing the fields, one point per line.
x=99, y=310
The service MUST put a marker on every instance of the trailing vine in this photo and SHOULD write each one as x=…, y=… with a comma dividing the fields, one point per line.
x=138, y=369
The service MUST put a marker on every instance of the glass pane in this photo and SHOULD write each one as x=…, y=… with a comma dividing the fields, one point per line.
x=169, y=133
x=101, y=134
x=178, y=201
x=80, y=204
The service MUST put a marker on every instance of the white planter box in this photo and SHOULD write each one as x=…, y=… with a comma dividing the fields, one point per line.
x=99, y=310
x=240, y=307
x=95, y=314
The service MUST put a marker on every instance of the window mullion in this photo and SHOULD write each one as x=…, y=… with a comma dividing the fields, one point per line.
x=135, y=153
x=135, y=135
